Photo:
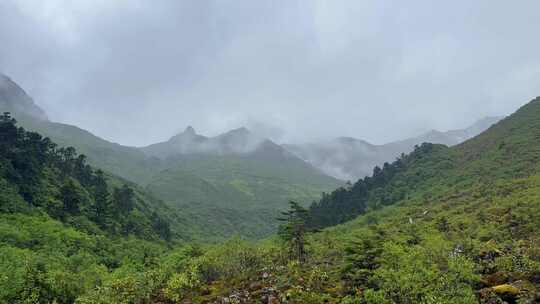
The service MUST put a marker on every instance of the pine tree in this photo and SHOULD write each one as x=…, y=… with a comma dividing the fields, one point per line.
x=124, y=199
x=70, y=196
x=294, y=230
x=102, y=207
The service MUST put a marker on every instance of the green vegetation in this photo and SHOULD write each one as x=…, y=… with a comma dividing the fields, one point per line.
x=440, y=225
x=230, y=195
x=214, y=189
x=127, y=162
x=209, y=196
x=63, y=227
x=61, y=184
x=294, y=231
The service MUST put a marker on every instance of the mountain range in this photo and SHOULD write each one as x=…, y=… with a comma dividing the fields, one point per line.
x=348, y=158
x=440, y=224
x=233, y=183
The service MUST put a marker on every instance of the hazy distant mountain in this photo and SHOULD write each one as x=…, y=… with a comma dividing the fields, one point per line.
x=239, y=141
x=350, y=158
x=234, y=183
x=15, y=100
x=127, y=162
x=240, y=179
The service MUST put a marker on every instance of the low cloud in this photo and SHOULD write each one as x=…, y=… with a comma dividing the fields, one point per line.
x=136, y=71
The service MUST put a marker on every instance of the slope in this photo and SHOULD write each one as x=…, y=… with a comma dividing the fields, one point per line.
x=503, y=151
x=441, y=225
x=229, y=184
x=64, y=225
x=234, y=183
x=349, y=158
x=128, y=162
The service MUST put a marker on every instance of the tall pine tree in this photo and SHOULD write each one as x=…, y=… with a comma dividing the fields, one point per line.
x=293, y=231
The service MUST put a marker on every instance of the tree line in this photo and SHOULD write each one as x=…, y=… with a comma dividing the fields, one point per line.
x=385, y=187
x=59, y=181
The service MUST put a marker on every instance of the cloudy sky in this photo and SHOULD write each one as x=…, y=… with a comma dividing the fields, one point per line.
x=137, y=72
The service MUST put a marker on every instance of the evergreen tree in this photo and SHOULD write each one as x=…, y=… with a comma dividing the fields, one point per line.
x=71, y=197
x=124, y=199
x=102, y=207
x=161, y=226
x=294, y=230
x=33, y=167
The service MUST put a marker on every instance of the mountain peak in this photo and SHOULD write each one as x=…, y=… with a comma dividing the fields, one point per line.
x=187, y=136
x=15, y=100
x=190, y=130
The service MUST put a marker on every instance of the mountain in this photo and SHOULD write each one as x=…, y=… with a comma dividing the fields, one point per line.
x=15, y=100
x=439, y=225
x=127, y=162
x=448, y=138
x=348, y=158
x=233, y=183
x=507, y=150
x=235, y=142
x=66, y=226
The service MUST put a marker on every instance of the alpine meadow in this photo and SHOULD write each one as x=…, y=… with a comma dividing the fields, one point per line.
x=344, y=152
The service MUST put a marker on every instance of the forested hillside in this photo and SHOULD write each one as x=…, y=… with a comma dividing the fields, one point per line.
x=214, y=187
x=269, y=152
x=64, y=224
x=441, y=225
x=506, y=150
x=127, y=162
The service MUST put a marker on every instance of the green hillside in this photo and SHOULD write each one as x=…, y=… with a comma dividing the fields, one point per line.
x=127, y=162
x=237, y=195
x=239, y=190
x=507, y=150
x=65, y=225
x=441, y=225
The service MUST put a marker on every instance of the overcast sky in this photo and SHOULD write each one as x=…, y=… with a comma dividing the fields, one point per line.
x=137, y=72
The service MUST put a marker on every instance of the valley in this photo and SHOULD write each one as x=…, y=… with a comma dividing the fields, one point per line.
x=269, y=152
x=194, y=219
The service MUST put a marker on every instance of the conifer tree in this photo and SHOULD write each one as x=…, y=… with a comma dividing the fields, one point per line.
x=294, y=230
x=102, y=207
x=124, y=199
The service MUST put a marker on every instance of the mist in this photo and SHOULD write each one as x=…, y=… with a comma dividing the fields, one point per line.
x=138, y=72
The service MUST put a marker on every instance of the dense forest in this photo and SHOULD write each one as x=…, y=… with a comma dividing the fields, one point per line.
x=58, y=182
x=63, y=223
